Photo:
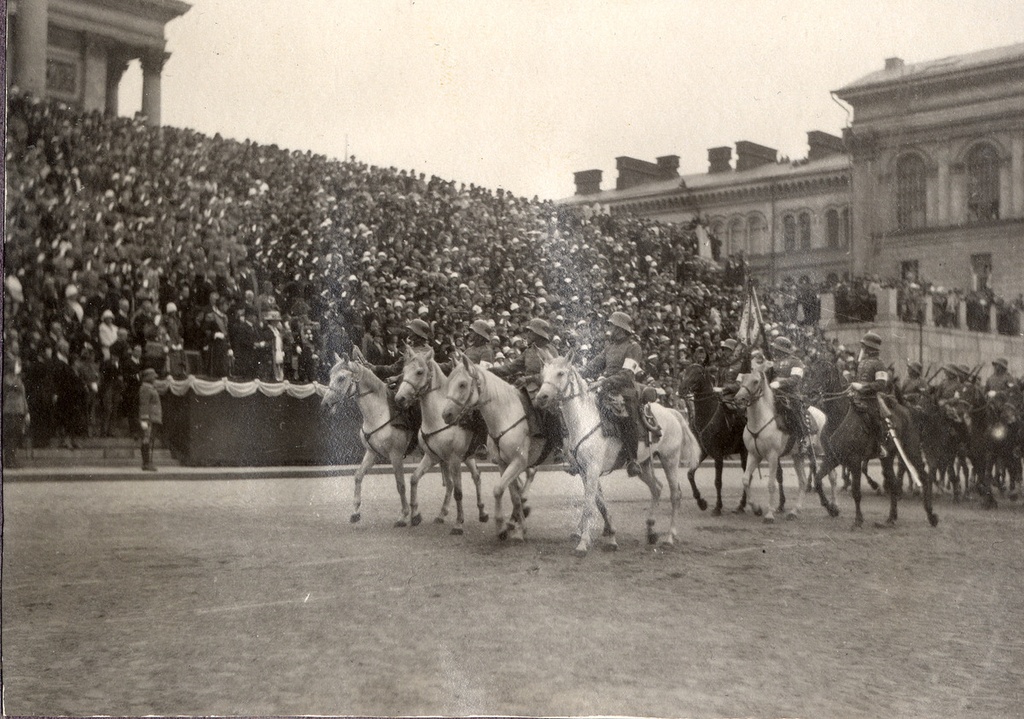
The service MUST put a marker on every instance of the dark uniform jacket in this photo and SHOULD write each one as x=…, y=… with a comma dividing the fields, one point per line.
x=526, y=368
x=619, y=363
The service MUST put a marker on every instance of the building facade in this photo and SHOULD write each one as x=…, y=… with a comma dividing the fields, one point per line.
x=937, y=153
x=926, y=183
x=77, y=51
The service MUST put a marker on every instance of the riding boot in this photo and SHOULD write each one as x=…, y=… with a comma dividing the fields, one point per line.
x=630, y=443
x=147, y=458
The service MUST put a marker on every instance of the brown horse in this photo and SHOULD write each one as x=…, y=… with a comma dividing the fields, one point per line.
x=848, y=441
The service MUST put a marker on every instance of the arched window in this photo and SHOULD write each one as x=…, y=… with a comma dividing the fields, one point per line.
x=789, y=233
x=736, y=242
x=910, y=192
x=805, y=230
x=832, y=228
x=983, y=184
x=756, y=232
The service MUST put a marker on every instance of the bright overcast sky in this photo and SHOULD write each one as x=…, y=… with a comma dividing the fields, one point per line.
x=522, y=94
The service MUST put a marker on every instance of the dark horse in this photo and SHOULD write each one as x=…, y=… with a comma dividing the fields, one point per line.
x=848, y=441
x=977, y=414
x=719, y=431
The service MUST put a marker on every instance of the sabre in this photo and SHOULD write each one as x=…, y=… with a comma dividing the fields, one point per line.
x=896, y=441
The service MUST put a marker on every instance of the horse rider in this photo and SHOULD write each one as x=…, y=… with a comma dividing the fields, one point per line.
x=419, y=336
x=872, y=379
x=525, y=371
x=734, y=362
x=914, y=386
x=788, y=386
x=1001, y=382
x=618, y=366
x=478, y=345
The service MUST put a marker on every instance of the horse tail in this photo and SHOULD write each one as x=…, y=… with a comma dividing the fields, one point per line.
x=689, y=449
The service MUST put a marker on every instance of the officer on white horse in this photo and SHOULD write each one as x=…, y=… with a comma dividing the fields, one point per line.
x=618, y=367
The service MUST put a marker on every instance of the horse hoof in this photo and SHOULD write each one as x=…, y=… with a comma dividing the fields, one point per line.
x=401, y=523
x=652, y=538
x=503, y=535
x=526, y=512
x=703, y=504
x=833, y=510
x=757, y=511
x=716, y=512
x=885, y=525
x=933, y=519
x=768, y=520
x=790, y=516
x=739, y=510
x=610, y=547
x=416, y=519
x=354, y=519
x=457, y=531
x=580, y=553
x=438, y=520
x=484, y=518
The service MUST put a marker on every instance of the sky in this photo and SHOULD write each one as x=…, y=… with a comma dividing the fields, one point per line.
x=520, y=95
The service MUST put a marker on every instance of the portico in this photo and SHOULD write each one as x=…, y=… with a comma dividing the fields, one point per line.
x=77, y=51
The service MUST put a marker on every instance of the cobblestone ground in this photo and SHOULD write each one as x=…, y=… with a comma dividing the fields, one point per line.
x=260, y=598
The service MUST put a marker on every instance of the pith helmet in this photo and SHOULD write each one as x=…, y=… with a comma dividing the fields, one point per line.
x=419, y=328
x=729, y=344
x=871, y=340
x=539, y=327
x=1001, y=362
x=481, y=328
x=622, y=321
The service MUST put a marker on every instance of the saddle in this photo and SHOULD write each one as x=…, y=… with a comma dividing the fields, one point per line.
x=650, y=422
x=543, y=425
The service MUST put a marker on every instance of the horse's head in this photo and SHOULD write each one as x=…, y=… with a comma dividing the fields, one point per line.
x=695, y=375
x=559, y=381
x=343, y=382
x=752, y=386
x=464, y=387
x=417, y=376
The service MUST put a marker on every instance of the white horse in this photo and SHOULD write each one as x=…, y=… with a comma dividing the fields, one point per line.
x=509, y=443
x=442, y=442
x=596, y=454
x=765, y=439
x=380, y=438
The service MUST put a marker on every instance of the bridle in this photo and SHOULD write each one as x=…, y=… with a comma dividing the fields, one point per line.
x=421, y=391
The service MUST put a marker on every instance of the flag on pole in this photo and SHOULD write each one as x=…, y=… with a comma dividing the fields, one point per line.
x=752, y=329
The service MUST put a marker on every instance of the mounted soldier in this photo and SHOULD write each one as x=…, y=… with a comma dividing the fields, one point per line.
x=788, y=386
x=478, y=344
x=618, y=368
x=1001, y=381
x=914, y=386
x=525, y=370
x=871, y=380
x=735, y=361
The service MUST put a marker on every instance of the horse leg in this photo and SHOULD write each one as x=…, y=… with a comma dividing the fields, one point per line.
x=591, y=489
x=744, y=458
x=773, y=487
x=455, y=478
x=778, y=481
x=671, y=465
x=368, y=461
x=508, y=475
x=828, y=466
x=801, y=478
x=609, y=530
x=691, y=475
x=474, y=472
x=524, y=487
x=654, y=485
x=399, y=469
x=414, y=482
x=858, y=520
x=748, y=477
x=891, y=485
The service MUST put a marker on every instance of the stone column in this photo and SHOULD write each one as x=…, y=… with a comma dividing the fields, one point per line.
x=30, y=52
x=117, y=64
x=152, y=67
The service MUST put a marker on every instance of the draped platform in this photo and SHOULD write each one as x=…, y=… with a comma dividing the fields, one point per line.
x=256, y=424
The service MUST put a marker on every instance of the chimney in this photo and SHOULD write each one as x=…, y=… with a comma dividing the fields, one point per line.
x=894, y=63
x=668, y=165
x=750, y=155
x=588, y=182
x=821, y=144
x=719, y=159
